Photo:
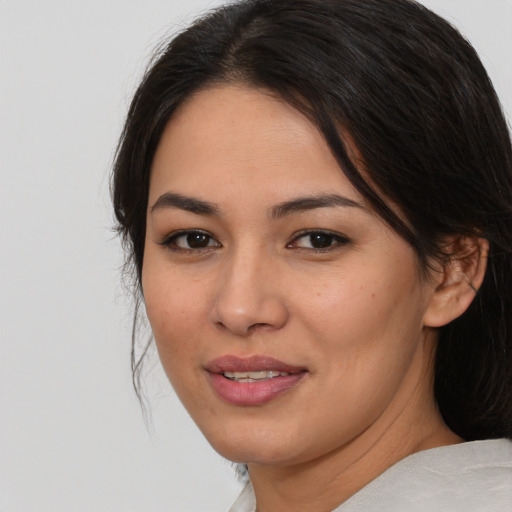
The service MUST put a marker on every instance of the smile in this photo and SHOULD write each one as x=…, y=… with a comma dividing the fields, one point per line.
x=254, y=376
x=252, y=381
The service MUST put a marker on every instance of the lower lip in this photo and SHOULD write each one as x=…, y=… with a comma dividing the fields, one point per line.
x=253, y=393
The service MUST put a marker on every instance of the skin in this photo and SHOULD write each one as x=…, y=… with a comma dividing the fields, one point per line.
x=357, y=315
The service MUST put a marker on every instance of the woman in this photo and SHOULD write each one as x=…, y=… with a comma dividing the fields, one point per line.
x=317, y=200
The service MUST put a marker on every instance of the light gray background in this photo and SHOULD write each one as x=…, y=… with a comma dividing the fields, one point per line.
x=72, y=437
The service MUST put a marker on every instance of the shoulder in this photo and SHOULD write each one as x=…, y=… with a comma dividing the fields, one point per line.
x=470, y=477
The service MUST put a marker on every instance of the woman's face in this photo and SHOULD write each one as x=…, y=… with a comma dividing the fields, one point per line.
x=288, y=316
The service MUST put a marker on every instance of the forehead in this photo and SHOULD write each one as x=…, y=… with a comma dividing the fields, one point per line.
x=244, y=139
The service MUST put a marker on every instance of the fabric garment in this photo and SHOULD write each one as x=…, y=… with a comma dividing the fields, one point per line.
x=467, y=477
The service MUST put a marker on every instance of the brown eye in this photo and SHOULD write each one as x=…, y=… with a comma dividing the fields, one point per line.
x=197, y=240
x=190, y=240
x=318, y=240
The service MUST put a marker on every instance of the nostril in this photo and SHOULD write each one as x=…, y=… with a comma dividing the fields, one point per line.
x=246, y=329
x=258, y=326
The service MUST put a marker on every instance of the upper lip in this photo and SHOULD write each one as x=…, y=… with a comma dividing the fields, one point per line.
x=231, y=363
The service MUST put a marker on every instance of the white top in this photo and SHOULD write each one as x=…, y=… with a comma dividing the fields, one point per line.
x=467, y=477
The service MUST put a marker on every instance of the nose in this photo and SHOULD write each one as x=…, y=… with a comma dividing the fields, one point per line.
x=248, y=296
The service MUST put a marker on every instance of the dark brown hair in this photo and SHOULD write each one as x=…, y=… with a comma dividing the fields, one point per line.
x=415, y=99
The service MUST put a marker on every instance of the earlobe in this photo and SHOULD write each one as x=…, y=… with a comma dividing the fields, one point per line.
x=458, y=280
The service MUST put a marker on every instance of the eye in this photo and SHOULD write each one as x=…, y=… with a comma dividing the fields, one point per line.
x=318, y=241
x=193, y=240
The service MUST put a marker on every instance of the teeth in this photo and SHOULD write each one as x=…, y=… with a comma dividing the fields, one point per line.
x=254, y=376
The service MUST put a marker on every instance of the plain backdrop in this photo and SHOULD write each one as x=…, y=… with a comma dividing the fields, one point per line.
x=72, y=437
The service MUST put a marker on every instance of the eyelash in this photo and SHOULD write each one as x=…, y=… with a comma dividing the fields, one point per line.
x=334, y=240
x=170, y=241
x=337, y=240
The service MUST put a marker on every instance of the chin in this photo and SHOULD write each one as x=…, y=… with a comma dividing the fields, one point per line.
x=252, y=445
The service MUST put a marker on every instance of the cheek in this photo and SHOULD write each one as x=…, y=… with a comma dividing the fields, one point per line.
x=367, y=333
x=350, y=302
x=174, y=314
x=367, y=320
x=175, y=310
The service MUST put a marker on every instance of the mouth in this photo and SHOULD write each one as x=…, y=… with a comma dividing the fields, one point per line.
x=254, y=380
x=254, y=376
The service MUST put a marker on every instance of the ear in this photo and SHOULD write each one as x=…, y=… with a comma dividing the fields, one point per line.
x=457, y=281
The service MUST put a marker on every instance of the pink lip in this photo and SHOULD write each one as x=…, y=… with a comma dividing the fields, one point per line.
x=252, y=393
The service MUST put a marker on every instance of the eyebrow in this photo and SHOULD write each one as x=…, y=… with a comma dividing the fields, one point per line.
x=297, y=205
x=306, y=203
x=189, y=204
